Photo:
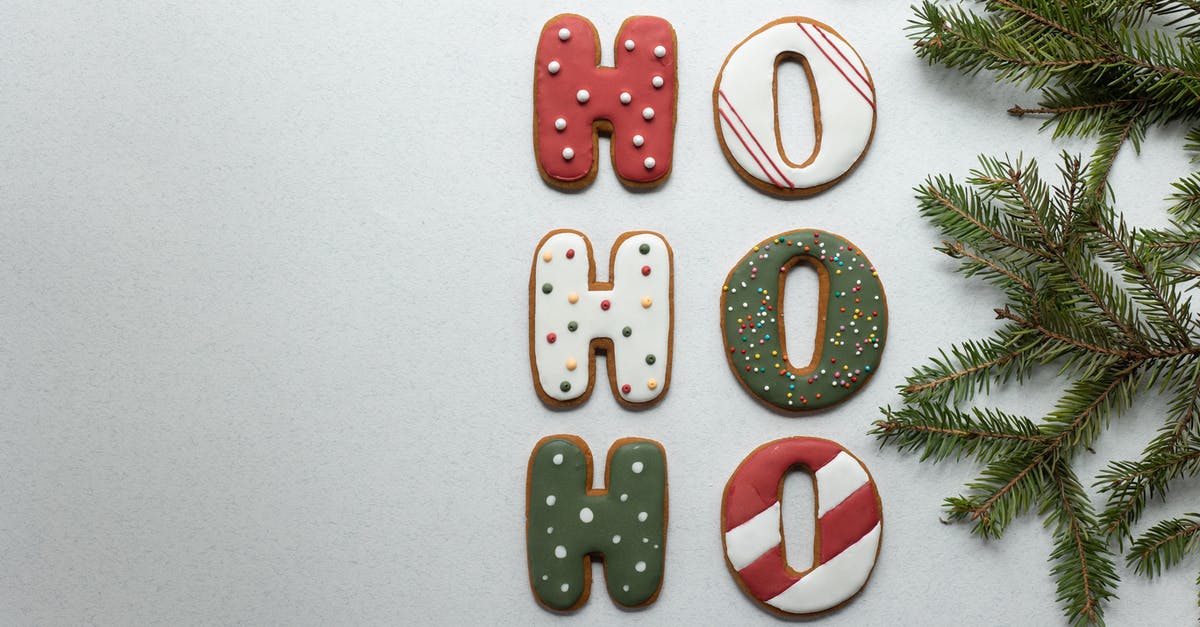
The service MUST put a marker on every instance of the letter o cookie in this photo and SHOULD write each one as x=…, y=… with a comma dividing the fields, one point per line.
x=851, y=322
x=848, y=533
x=745, y=110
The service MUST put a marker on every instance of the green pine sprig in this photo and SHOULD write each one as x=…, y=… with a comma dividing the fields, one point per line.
x=1101, y=303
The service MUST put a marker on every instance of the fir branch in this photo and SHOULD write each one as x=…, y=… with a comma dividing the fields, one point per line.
x=1165, y=545
x=1082, y=564
x=1100, y=302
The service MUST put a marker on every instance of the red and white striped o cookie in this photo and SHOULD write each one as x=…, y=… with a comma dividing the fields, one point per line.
x=746, y=113
x=849, y=526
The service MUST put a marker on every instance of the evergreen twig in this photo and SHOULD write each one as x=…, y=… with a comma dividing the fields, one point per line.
x=1097, y=300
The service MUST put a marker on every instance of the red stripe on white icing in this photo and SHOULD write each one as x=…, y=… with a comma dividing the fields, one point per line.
x=838, y=50
x=765, y=154
x=847, y=523
x=769, y=575
x=747, y=146
x=836, y=66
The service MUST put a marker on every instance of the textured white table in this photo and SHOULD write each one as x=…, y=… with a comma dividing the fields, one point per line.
x=263, y=317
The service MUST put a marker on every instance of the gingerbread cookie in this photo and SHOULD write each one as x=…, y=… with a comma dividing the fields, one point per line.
x=848, y=534
x=572, y=316
x=568, y=523
x=851, y=325
x=745, y=107
x=634, y=102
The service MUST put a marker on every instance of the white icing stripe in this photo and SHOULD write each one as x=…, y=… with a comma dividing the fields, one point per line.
x=749, y=540
x=837, y=480
x=748, y=116
x=834, y=581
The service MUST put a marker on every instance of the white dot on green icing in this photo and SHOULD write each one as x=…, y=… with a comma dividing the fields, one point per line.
x=549, y=529
x=550, y=500
x=624, y=497
x=585, y=514
x=642, y=516
x=545, y=577
x=640, y=567
x=560, y=551
x=565, y=587
x=625, y=587
x=645, y=540
x=638, y=467
x=616, y=539
x=558, y=459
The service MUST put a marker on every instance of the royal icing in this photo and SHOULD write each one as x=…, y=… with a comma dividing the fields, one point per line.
x=568, y=523
x=636, y=98
x=848, y=533
x=572, y=316
x=746, y=111
x=851, y=326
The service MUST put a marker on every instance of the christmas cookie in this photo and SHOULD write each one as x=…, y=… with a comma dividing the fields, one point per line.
x=848, y=532
x=568, y=524
x=746, y=112
x=634, y=102
x=572, y=316
x=851, y=322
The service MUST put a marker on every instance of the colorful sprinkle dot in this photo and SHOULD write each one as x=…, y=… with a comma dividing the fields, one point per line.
x=604, y=304
x=572, y=325
x=573, y=297
x=551, y=338
x=565, y=386
x=644, y=249
x=627, y=331
x=645, y=270
x=650, y=359
x=547, y=288
x=646, y=302
x=572, y=364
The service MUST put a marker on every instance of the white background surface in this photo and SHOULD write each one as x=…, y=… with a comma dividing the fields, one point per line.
x=263, y=318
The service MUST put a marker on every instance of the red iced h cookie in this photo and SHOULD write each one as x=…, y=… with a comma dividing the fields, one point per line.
x=634, y=102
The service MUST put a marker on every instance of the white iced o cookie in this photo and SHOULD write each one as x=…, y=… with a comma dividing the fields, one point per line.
x=746, y=112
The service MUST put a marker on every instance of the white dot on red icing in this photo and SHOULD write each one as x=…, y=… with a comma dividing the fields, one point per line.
x=616, y=539
x=642, y=516
x=638, y=140
x=560, y=124
x=568, y=153
x=624, y=497
x=629, y=45
x=638, y=467
x=550, y=500
x=560, y=551
x=626, y=98
x=649, y=163
x=582, y=96
x=648, y=113
x=554, y=67
x=565, y=587
x=565, y=34
x=657, y=81
x=640, y=567
x=586, y=515
x=660, y=51
x=557, y=459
